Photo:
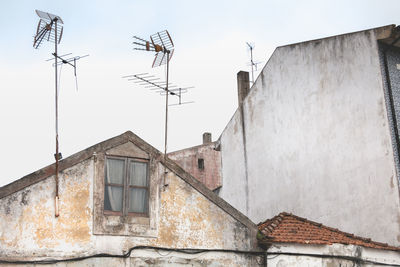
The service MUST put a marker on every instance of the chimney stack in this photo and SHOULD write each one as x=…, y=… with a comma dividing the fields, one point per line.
x=206, y=138
x=243, y=86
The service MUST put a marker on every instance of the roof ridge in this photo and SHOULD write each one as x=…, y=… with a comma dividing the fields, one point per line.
x=67, y=162
x=191, y=147
x=273, y=223
x=87, y=153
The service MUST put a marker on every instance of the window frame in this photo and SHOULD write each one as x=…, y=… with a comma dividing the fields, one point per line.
x=200, y=164
x=126, y=187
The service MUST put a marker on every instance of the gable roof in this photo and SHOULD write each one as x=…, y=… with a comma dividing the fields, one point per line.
x=128, y=136
x=288, y=228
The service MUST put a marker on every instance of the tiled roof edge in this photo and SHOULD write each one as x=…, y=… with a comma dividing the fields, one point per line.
x=267, y=240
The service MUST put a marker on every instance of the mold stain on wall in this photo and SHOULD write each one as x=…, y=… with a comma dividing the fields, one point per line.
x=30, y=221
x=188, y=219
x=71, y=226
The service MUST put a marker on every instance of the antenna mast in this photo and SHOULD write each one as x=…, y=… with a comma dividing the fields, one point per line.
x=252, y=63
x=50, y=28
x=162, y=44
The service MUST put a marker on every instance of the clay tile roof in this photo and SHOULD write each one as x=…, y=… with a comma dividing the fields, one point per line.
x=288, y=228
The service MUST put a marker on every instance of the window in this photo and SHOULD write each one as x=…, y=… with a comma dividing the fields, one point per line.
x=200, y=164
x=125, y=190
x=126, y=186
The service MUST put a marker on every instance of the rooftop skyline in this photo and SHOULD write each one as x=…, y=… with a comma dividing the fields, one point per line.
x=210, y=48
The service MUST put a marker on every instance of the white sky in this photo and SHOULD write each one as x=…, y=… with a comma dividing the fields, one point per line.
x=210, y=48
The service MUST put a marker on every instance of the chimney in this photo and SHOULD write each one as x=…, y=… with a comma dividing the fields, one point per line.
x=206, y=138
x=243, y=86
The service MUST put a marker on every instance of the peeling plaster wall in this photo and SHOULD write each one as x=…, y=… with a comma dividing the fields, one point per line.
x=318, y=140
x=27, y=222
x=186, y=219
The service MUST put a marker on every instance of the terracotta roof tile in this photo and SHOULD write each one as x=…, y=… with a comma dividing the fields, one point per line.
x=288, y=228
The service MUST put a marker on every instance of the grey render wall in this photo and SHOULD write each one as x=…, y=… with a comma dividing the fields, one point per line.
x=318, y=142
x=233, y=167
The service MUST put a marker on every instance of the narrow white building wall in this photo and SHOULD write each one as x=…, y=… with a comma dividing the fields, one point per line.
x=317, y=139
x=234, y=177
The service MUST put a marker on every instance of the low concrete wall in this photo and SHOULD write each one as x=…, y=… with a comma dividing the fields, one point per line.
x=329, y=256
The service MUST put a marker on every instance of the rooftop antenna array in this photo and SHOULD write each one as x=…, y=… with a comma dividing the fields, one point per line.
x=252, y=63
x=161, y=43
x=50, y=29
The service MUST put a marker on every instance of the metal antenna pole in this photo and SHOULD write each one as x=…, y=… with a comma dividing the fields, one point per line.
x=48, y=29
x=166, y=123
x=56, y=99
x=162, y=44
x=252, y=64
x=251, y=61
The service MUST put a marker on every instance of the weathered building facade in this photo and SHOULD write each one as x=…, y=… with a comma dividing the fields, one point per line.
x=203, y=162
x=317, y=135
x=174, y=221
x=181, y=223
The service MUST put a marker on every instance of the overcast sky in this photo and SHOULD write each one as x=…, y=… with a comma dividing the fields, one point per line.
x=210, y=48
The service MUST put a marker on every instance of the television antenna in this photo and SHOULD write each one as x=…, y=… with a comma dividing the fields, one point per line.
x=50, y=29
x=71, y=60
x=252, y=63
x=162, y=44
x=155, y=84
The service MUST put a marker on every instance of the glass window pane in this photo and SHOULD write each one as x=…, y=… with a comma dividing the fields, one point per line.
x=138, y=200
x=138, y=173
x=113, y=198
x=115, y=171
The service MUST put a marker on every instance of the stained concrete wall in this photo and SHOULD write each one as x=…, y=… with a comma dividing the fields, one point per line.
x=318, y=143
x=185, y=219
